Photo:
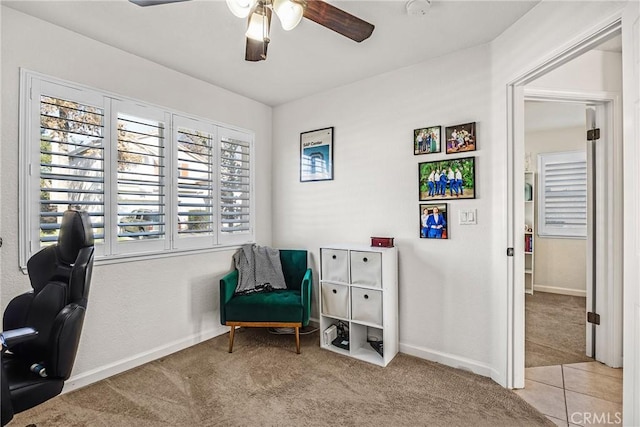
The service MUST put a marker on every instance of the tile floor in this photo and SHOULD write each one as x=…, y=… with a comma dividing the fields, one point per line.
x=577, y=394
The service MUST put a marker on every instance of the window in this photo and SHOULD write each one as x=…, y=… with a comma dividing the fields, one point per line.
x=235, y=200
x=71, y=164
x=153, y=180
x=563, y=197
x=195, y=185
x=139, y=172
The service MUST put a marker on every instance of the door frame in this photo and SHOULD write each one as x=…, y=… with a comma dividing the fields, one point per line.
x=608, y=227
x=516, y=95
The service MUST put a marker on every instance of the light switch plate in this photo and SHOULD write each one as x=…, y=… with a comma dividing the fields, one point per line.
x=468, y=217
x=462, y=217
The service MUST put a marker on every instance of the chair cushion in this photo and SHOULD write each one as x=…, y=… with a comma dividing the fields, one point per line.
x=275, y=306
x=26, y=388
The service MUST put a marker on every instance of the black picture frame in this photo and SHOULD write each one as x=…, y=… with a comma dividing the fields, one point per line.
x=435, y=188
x=316, y=155
x=427, y=140
x=460, y=138
x=432, y=227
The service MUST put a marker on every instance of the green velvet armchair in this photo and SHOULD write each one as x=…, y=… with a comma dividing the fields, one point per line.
x=282, y=308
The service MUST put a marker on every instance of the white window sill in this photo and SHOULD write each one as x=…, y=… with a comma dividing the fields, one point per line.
x=125, y=258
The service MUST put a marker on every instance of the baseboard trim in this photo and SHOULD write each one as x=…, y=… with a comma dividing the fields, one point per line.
x=557, y=290
x=115, y=368
x=449, y=360
x=103, y=372
x=499, y=378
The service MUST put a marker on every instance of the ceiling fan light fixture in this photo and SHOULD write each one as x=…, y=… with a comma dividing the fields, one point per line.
x=418, y=7
x=241, y=8
x=289, y=12
x=259, y=23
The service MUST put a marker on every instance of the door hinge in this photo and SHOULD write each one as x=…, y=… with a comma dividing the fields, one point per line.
x=593, y=318
x=593, y=134
x=509, y=251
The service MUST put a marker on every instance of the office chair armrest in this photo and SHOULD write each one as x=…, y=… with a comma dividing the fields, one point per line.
x=16, y=336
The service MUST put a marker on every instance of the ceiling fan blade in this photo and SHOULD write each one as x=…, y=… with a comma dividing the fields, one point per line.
x=338, y=20
x=256, y=50
x=153, y=2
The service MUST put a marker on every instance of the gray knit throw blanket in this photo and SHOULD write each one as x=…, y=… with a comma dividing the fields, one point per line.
x=259, y=269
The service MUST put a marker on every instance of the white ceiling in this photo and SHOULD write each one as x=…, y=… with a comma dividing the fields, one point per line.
x=201, y=38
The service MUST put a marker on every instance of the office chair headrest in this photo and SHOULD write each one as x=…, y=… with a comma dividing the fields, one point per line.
x=75, y=233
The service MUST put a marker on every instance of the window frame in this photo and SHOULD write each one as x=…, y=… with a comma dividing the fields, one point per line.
x=33, y=85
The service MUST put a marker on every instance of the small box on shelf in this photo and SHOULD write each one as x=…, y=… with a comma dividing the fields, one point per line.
x=382, y=242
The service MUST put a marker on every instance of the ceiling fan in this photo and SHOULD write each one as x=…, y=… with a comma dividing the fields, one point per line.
x=290, y=13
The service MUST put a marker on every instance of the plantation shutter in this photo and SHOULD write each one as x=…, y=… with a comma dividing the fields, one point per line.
x=153, y=180
x=563, y=204
x=140, y=178
x=194, y=183
x=71, y=164
x=235, y=189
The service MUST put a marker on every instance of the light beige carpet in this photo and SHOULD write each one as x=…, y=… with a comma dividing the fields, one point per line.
x=554, y=329
x=265, y=383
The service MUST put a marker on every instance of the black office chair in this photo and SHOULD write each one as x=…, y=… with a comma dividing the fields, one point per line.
x=41, y=328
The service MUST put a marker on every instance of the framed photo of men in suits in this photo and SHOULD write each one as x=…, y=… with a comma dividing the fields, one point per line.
x=447, y=180
x=433, y=221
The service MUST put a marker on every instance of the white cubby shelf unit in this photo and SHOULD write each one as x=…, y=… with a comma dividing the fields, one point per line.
x=359, y=287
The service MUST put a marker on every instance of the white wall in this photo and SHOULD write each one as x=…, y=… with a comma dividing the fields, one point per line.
x=560, y=264
x=137, y=310
x=444, y=298
x=594, y=71
x=453, y=294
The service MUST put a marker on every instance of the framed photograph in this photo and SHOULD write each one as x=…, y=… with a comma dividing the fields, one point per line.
x=316, y=155
x=460, y=138
x=447, y=179
x=426, y=140
x=433, y=221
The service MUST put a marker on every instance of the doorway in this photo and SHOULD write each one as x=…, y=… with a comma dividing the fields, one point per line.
x=556, y=248
x=566, y=378
x=609, y=237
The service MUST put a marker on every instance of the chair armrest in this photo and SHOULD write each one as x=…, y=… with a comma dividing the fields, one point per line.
x=16, y=336
x=227, y=287
x=305, y=296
